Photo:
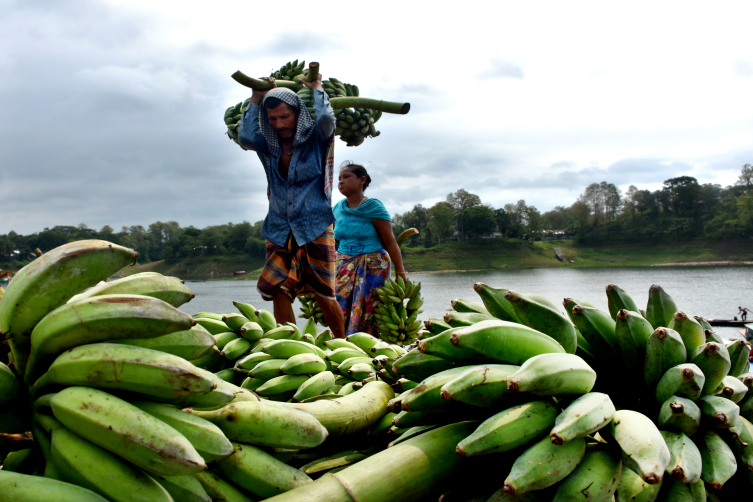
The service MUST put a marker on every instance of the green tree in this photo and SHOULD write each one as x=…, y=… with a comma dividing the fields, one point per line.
x=479, y=220
x=683, y=193
x=503, y=221
x=460, y=201
x=441, y=218
x=746, y=178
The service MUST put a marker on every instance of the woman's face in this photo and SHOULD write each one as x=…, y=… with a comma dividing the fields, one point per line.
x=349, y=184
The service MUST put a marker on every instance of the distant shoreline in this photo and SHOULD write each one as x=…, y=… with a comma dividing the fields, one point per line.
x=702, y=263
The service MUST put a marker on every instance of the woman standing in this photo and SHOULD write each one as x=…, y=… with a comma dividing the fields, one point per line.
x=366, y=248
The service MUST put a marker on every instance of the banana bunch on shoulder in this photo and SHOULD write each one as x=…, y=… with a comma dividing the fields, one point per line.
x=397, y=311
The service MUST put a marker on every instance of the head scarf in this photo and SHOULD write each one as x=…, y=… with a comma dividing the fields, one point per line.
x=304, y=127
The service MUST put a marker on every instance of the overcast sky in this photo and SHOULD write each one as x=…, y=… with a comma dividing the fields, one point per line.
x=111, y=111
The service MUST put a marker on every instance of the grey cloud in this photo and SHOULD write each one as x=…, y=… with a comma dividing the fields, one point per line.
x=501, y=68
x=743, y=68
x=301, y=43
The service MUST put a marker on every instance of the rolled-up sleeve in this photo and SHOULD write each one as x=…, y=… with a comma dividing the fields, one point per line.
x=249, y=134
x=325, y=115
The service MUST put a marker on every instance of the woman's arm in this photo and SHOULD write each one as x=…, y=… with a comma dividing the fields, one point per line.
x=384, y=228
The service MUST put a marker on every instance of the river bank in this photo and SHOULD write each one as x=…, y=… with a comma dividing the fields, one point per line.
x=495, y=254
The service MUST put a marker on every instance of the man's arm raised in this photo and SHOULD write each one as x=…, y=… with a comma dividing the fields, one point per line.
x=325, y=115
x=249, y=134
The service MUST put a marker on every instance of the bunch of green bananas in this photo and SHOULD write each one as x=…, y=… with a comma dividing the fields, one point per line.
x=311, y=310
x=397, y=311
x=353, y=124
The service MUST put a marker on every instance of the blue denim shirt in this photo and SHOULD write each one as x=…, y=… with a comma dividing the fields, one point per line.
x=297, y=204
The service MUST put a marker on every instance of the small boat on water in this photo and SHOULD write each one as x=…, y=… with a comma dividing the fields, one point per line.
x=732, y=323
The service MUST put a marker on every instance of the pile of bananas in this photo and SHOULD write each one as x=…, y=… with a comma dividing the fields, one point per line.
x=354, y=125
x=311, y=310
x=397, y=310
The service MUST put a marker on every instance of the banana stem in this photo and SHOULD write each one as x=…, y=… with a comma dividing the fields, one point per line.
x=263, y=85
x=313, y=72
x=372, y=104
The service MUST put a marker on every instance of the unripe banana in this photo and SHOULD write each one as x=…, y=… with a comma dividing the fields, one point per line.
x=87, y=465
x=427, y=396
x=553, y=374
x=680, y=414
x=509, y=429
x=284, y=349
x=664, y=350
x=259, y=472
x=469, y=306
x=26, y=488
x=117, y=367
x=660, y=308
x=713, y=359
x=363, y=341
x=595, y=479
x=733, y=389
x=684, y=380
x=126, y=431
x=719, y=463
x=505, y=342
x=100, y=319
x=249, y=362
x=689, y=329
x=618, y=299
x=583, y=417
x=168, y=289
x=417, y=366
x=185, y=488
x=539, y=313
x=265, y=319
x=544, y=464
x=460, y=319
x=360, y=371
x=247, y=310
x=344, y=366
x=314, y=386
x=281, y=388
x=643, y=447
x=252, y=384
x=8, y=384
x=339, y=355
x=267, y=369
x=189, y=344
x=718, y=412
x=495, y=302
x=441, y=346
x=742, y=446
x=280, y=333
x=220, y=489
x=223, y=392
x=598, y=328
x=268, y=424
x=482, y=386
x=632, y=332
x=684, y=457
x=214, y=326
x=739, y=355
x=303, y=364
x=383, y=349
x=235, y=349
x=222, y=339
x=632, y=488
x=339, y=343
x=207, y=438
x=260, y=344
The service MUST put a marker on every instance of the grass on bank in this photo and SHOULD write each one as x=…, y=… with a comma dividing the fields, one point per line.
x=490, y=254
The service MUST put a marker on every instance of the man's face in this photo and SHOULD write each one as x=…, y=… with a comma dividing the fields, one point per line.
x=283, y=119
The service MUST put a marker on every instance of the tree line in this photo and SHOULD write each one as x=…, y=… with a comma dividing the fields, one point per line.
x=682, y=210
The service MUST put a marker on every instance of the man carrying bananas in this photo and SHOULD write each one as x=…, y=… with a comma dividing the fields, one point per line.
x=298, y=156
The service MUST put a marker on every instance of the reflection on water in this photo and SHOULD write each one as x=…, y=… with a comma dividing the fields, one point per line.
x=713, y=292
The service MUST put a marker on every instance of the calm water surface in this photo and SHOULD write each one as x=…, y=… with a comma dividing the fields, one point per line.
x=713, y=292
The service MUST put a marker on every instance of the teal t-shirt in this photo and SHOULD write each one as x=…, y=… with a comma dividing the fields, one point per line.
x=355, y=229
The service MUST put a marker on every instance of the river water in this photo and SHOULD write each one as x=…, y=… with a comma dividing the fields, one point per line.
x=712, y=292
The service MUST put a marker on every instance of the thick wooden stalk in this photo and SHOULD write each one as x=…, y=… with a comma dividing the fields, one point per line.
x=372, y=104
x=313, y=72
x=262, y=85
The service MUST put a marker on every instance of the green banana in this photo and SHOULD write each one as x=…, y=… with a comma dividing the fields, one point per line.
x=341, y=343
x=595, y=479
x=220, y=489
x=733, y=389
x=246, y=310
x=495, y=302
x=280, y=333
x=252, y=384
x=680, y=414
x=582, y=417
x=260, y=344
x=188, y=344
x=482, y=386
x=259, y=472
x=281, y=388
x=223, y=392
x=684, y=457
x=642, y=445
x=268, y=424
x=713, y=359
x=168, y=289
x=739, y=355
x=26, y=488
x=632, y=332
x=553, y=374
x=87, y=465
x=315, y=386
x=353, y=412
x=664, y=350
x=49, y=281
x=660, y=308
x=117, y=367
x=684, y=380
x=8, y=384
x=618, y=299
x=513, y=427
x=211, y=361
x=236, y=348
x=718, y=460
x=266, y=320
x=222, y=339
x=417, y=366
x=284, y=349
x=184, y=488
x=598, y=328
x=747, y=379
x=383, y=349
x=459, y=319
x=427, y=396
x=251, y=331
x=570, y=303
x=344, y=366
x=208, y=440
x=441, y=346
x=267, y=369
x=126, y=431
x=235, y=321
x=436, y=325
x=249, y=362
x=743, y=446
x=100, y=319
x=468, y=306
x=632, y=488
x=543, y=464
x=337, y=356
x=360, y=371
x=310, y=328
x=718, y=411
x=505, y=342
x=540, y=314
x=689, y=329
x=207, y=315
x=214, y=326
x=303, y=364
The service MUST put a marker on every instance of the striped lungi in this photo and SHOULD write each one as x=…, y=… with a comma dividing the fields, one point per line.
x=297, y=270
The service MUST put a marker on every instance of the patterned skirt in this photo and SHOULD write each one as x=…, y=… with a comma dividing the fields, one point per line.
x=357, y=277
